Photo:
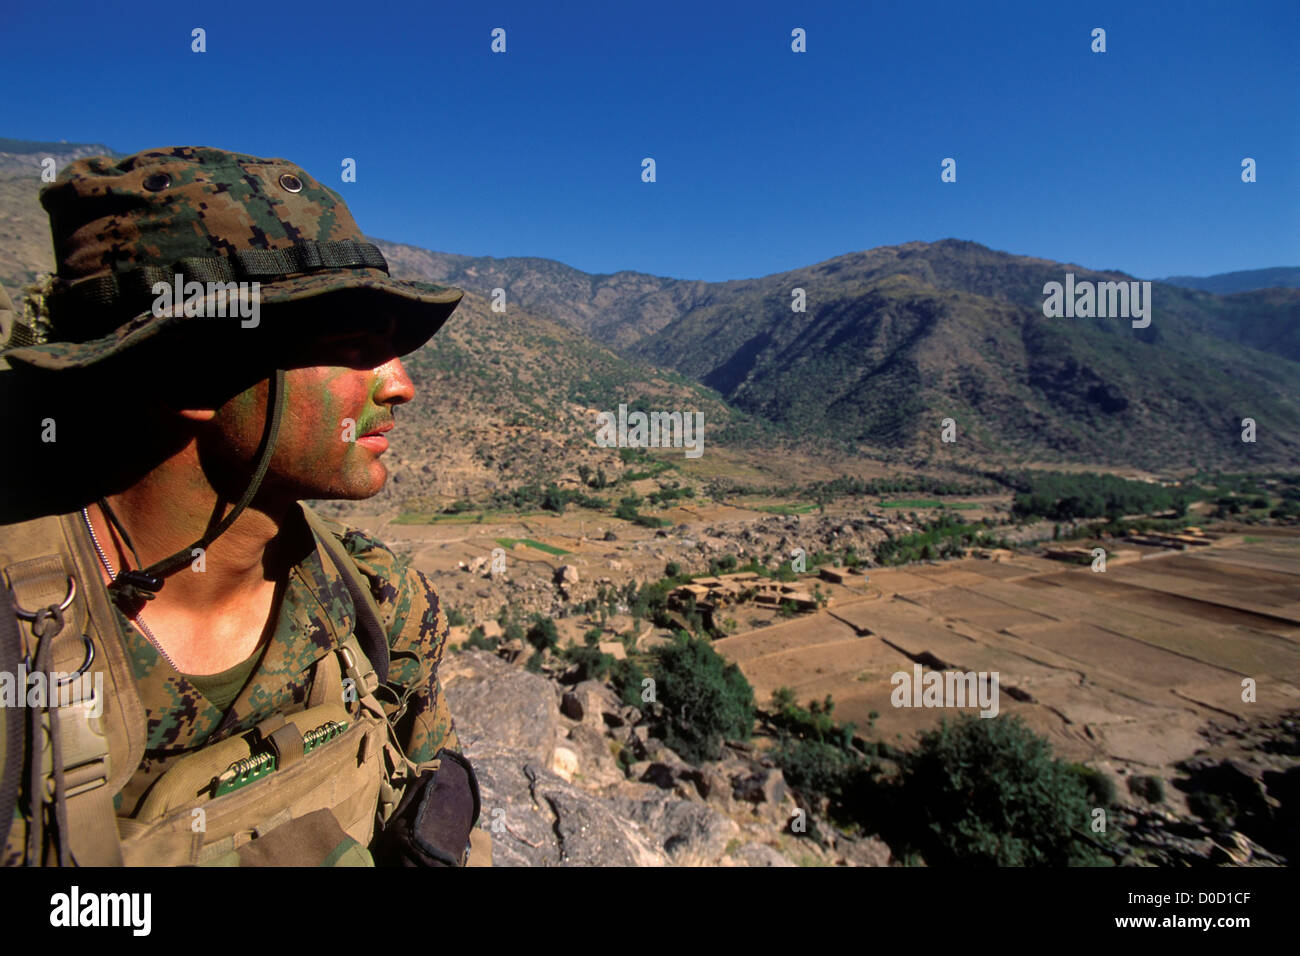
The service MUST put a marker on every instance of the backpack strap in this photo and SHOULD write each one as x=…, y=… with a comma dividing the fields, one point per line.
x=97, y=727
x=370, y=631
x=11, y=728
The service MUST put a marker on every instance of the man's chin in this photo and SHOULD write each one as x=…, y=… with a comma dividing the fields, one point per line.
x=353, y=487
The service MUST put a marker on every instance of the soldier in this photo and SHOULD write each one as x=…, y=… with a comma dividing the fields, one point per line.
x=216, y=674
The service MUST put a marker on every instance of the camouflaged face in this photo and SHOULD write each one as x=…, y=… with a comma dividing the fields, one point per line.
x=315, y=615
x=110, y=217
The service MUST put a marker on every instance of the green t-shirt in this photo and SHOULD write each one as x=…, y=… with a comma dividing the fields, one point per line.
x=224, y=686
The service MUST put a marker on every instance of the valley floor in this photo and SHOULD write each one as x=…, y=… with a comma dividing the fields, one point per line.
x=1123, y=669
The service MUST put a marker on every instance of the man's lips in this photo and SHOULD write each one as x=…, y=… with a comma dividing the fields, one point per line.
x=374, y=439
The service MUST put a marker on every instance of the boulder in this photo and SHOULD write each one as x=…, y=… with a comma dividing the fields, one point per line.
x=571, y=706
x=709, y=784
x=595, y=700
x=689, y=834
x=758, y=854
x=497, y=705
x=566, y=576
x=656, y=772
x=867, y=851
x=597, y=765
x=765, y=786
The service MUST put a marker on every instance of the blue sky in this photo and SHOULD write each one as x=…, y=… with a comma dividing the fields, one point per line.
x=767, y=160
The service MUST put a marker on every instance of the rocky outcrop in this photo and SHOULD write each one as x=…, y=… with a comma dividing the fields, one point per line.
x=572, y=777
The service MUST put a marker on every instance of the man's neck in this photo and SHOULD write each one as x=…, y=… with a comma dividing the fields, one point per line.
x=170, y=509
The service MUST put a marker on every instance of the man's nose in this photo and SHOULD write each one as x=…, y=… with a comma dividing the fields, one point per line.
x=395, y=386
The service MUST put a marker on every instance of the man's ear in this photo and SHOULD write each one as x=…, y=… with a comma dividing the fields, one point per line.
x=198, y=414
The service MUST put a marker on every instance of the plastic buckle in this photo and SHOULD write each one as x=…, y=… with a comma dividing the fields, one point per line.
x=368, y=682
x=86, y=761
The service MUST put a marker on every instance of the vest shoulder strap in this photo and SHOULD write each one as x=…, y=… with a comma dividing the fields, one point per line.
x=370, y=631
x=100, y=722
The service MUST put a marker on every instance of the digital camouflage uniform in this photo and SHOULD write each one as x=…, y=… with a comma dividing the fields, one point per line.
x=121, y=225
x=315, y=612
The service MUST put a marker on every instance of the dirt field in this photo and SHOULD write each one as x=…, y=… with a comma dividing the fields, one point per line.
x=1120, y=667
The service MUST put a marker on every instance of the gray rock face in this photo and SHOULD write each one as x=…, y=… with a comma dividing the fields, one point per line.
x=508, y=723
x=689, y=834
x=537, y=819
x=553, y=793
x=498, y=706
x=765, y=786
x=596, y=763
x=758, y=854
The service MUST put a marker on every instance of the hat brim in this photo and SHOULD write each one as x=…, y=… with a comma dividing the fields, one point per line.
x=420, y=308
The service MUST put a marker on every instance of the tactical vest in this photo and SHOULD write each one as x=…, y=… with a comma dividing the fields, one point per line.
x=303, y=788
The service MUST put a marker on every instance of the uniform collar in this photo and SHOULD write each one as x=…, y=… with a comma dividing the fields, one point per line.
x=315, y=614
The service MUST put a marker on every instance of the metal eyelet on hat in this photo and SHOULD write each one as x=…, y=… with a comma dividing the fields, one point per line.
x=290, y=182
x=156, y=182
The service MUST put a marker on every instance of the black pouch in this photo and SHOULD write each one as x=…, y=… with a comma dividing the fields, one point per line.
x=432, y=823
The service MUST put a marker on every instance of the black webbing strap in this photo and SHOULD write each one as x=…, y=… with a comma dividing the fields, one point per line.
x=265, y=265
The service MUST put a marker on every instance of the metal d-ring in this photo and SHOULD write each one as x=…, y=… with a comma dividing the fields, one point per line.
x=85, y=665
x=67, y=602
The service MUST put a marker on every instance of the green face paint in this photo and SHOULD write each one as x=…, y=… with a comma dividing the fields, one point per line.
x=328, y=408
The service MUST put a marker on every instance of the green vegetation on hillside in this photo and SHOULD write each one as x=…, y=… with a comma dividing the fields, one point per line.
x=705, y=699
x=627, y=510
x=975, y=792
x=1060, y=496
x=929, y=503
x=945, y=537
x=988, y=792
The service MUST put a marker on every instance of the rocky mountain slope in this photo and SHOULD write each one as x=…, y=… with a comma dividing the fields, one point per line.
x=571, y=776
x=893, y=341
x=554, y=792
x=897, y=338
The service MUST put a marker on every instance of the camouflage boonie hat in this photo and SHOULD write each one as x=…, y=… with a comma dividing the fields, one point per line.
x=211, y=216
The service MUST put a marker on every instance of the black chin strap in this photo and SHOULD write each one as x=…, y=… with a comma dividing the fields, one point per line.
x=136, y=587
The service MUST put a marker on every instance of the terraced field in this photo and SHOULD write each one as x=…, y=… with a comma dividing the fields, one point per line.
x=1120, y=667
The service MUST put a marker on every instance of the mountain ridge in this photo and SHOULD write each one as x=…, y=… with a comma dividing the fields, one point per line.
x=894, y=340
